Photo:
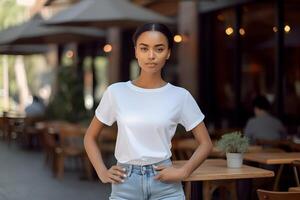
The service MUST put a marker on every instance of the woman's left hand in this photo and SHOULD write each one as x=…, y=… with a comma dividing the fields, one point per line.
x=170, y=174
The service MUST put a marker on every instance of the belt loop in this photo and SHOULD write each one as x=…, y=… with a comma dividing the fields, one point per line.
x=143, y=169
x=153, y=169
x=129, y=170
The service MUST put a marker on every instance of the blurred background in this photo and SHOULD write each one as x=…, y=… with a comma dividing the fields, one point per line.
x=58, y=56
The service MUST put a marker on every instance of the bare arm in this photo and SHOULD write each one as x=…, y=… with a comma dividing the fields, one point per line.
x=203, y=150
x=205, y=146
x=115, y=173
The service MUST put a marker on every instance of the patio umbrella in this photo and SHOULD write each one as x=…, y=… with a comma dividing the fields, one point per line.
x=34, y=32
x=106, y=13
x=23, y=49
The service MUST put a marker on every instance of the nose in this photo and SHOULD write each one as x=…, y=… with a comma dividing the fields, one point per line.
x=151, y=55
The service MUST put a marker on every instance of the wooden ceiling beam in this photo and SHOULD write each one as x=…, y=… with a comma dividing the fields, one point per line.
x=164, y=7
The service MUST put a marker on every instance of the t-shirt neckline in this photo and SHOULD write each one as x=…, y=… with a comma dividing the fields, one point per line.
x=140, y=89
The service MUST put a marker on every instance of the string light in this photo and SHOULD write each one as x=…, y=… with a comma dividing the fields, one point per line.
x=229, y=31
x=107, y=48
x=242, y=31
x=177, y=38
x=287, y=28
x=69, y=54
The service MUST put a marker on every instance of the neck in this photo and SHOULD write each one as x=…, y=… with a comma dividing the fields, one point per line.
x=149, y=80
x=260, y=112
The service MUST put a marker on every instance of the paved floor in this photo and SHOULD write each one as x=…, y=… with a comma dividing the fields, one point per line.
x=24, y=176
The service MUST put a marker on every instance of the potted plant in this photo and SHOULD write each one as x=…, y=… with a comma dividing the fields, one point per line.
x=234, y=145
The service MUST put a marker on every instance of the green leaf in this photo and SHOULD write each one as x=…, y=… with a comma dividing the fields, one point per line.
x=233, y=143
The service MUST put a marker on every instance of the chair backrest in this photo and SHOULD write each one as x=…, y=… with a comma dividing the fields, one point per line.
x=183, y=148
x=71, y=135
x=48, y=139
x=31, y=121
x=271, y=195
x=16, y=124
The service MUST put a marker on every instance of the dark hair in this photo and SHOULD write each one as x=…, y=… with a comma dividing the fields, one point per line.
x=154, y=27
x=261, y=102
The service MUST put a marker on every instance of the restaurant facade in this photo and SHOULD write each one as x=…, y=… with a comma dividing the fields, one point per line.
x=228, y=53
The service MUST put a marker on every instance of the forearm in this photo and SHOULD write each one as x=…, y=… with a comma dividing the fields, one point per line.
x=198, y=157
x=94, y=154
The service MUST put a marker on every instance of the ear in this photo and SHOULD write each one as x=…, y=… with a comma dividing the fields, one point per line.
x=169, y=54
x=135, y=52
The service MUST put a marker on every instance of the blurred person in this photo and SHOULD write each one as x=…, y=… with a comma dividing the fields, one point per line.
x=263, y=125
x=36, y=108
x=147, y=111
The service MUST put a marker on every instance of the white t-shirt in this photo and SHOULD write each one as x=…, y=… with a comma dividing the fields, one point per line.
x=146, y=119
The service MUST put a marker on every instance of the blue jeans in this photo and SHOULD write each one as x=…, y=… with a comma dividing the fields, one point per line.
x=141, y=185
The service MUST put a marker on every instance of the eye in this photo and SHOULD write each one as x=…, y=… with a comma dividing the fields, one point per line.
x=144, y=49
x=160, y=50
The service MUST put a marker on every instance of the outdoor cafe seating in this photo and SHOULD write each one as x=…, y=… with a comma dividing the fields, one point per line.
x=271, y=195
x=61, y=141
x=13, y=126
x=183, y=148
x=71, y=145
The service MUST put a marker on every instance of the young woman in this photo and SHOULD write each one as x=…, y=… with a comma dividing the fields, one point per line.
x=147, y=111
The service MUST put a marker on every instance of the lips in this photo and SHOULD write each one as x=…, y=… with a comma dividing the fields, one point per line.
x=151, y=64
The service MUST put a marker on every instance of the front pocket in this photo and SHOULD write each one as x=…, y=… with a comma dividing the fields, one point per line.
x=167, y=189
x=128, y=169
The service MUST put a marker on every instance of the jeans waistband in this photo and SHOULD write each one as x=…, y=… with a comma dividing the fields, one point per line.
x=144, y=169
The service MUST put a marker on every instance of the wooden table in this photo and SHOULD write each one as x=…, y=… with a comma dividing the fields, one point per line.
x=216, y=169
x=269, y=158
x=287, y=144
x=273, y=158
x=192, y=144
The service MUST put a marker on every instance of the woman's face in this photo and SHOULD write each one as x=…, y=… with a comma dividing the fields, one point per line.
x=152, y=51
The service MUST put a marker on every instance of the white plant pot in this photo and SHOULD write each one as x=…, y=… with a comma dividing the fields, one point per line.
x=234, y=160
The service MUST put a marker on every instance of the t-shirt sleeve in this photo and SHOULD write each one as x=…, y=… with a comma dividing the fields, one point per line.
x=190, y=115
x=105, y=111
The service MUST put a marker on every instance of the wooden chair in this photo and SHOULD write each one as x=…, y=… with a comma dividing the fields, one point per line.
x=50, y=146
x=15, y=129
x=270, y=195
x=32, y=135
x=71, y=145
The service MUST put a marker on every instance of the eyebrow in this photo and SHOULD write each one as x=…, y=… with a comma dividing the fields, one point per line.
x=157, y=45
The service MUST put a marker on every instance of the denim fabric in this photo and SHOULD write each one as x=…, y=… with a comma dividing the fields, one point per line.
x=141, y=185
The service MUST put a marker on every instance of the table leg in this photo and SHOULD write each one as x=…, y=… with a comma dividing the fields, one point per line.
x=224, y=185
x=187, y=190
x=206, y=190
x=296, y=176
x=278, y=175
